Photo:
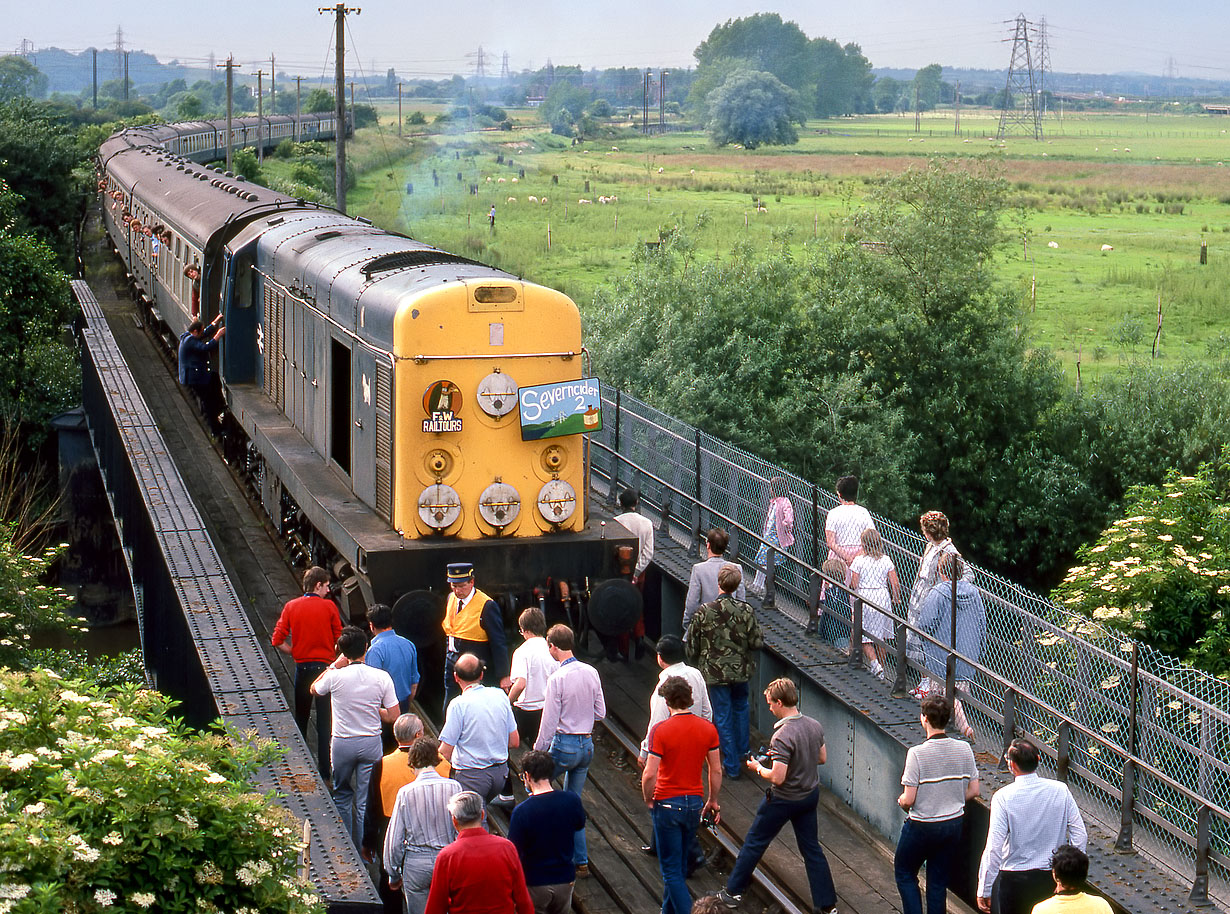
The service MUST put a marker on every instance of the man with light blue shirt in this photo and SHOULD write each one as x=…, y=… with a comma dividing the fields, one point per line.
x=1030, y=819
x=479, y=729
x=573, y=704
x=394, y=654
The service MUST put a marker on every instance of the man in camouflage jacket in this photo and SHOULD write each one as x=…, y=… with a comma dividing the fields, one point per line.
x=721, y=642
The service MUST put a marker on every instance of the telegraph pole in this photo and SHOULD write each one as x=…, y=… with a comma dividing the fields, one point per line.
x=298, y=86
x=230, y=98
x=956, y=129
x=273, y=86
x=662, y=101
x=260, y=116
x=399, y=109
x=95, y=54
x=125, y=76
x=339, y=93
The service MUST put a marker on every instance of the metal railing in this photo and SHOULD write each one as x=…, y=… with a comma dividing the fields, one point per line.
x=1134, y=730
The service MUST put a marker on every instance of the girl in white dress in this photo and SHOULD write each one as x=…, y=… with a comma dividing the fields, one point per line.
x=874, y=578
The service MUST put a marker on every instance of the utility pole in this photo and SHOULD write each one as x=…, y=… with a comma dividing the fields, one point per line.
x=230, y=99
x=917, y=113
x=260, y=116
x=298, y=87
x=273, y=86
x=662, y=101
x=1020, y=83
x=399, y=109
x=126, y=76
x=339, y=174
x=956, y=129
x=352, y=98
x=95, y=68
x=645, y=104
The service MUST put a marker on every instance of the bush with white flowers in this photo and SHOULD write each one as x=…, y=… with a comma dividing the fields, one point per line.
x=111, y=804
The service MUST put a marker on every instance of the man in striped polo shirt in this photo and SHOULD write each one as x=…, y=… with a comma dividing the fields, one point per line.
x=940, y=777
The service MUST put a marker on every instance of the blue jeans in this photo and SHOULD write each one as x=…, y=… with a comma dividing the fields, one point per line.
x=572, y=754
x=730, y=716
x=353, y=756
x=771, y=818
x=675, y=820
x=933, y=843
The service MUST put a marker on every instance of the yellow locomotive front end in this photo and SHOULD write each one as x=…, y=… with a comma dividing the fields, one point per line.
x=462, y=352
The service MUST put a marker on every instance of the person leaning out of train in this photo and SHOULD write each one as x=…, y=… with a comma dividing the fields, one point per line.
x=195, y=345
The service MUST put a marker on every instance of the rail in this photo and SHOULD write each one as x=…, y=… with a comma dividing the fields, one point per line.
x=1126, y=724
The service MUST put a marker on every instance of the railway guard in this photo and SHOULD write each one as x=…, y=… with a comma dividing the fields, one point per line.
x=474, y=624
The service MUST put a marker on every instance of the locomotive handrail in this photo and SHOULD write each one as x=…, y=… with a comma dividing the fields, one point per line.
x=421, y=359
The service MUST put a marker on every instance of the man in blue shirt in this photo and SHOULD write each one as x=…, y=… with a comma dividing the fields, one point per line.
x=395, y=655
x=479, y=729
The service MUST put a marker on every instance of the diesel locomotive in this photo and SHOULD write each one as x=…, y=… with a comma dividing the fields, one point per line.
x=375, y=387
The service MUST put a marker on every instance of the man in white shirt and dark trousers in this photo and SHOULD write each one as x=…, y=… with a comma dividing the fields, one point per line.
x=844, y=524
x=363, y=697
x=940, y=778
x=574, y=703
x=1030, y=818
x=532, y=666
x=642, y=527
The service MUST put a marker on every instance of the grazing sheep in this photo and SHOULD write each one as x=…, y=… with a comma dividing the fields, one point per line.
x=583, y=201
x=1052, y=244
x=761, y=208
x=499, y=180
x=532, y=199
x=514, y=180
x=1107, y=247
x=602, y=200
x=543, y=201
x=511, y=200
x=691, y=171
x=660, y=170
x=488, y=179
x=612, y=199
x=616, y=148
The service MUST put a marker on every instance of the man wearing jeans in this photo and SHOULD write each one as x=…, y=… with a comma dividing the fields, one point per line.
x=362, y=697
x=940, y=778
x=796, y=749
x=673, y=790
x=573, y=704
x=722, y=644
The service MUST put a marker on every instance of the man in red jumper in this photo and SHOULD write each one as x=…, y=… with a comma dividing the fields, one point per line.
x=313, y=624
x=479, y=873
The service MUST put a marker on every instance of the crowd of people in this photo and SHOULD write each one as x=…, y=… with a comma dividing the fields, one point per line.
x=417, y=805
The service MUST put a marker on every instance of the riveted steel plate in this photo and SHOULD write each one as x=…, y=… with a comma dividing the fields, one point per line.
x=212, y=608
x=235, y=665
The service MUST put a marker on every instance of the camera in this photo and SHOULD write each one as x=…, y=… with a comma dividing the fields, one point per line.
x=762, y=757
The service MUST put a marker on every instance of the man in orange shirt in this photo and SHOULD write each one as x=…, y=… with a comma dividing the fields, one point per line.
x=313, y=625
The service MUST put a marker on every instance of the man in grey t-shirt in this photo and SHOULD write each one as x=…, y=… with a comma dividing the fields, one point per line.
x=940, y=777
x=797, y=748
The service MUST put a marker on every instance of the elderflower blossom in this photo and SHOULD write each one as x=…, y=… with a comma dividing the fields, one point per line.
x=113, y=838
x=104, y=897
x=142, y=899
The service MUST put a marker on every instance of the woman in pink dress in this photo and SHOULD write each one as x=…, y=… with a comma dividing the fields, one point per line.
x=778, y=531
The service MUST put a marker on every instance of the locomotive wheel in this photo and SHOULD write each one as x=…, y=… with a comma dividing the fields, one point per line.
x=417, y=616
x=614, y=607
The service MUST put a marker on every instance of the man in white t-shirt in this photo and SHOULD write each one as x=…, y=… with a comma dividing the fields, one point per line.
x=532, y=666
x=844, y=526
x=641, y=526
x=362, y=697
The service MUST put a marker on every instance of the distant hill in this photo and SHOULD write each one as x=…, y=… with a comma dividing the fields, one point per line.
x=1136, y=85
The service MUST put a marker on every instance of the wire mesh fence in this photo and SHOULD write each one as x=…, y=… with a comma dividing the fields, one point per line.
x=1131, y=727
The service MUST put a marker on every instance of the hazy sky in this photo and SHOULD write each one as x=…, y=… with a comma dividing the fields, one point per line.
x=438, y=39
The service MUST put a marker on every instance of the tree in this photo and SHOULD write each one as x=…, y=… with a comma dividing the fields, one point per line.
x=843, y=79
x=318, y=101
x=19, y=77
x=766, y=43
x=1158, y=573
x=754, y=108
x=929, y=85
x=41, y=160
x=113, y=799
x=600, y=107
x=564, y=104
x=886, y=92
x=190, y=108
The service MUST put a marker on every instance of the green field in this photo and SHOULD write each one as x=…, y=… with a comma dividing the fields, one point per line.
x=1152, y=187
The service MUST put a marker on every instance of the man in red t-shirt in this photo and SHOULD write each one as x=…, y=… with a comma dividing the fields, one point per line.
x=313, y=624
x=479, y=873
x=674, y=790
